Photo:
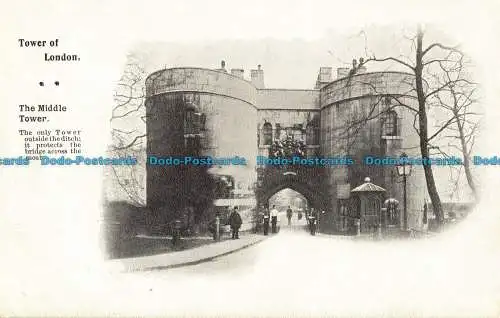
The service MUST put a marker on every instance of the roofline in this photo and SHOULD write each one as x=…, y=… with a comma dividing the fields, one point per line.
x=291, y=109
x=198, y=68
x=289, y=89
x=207, y=93
x=275, y=89
x=367, y=73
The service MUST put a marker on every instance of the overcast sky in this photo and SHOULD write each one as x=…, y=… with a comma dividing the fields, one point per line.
x=287, y=63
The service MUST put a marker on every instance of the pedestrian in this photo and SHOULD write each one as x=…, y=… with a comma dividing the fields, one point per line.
x=312, y=221
x=176, y=231
x=299, y=215
x=274, y=218
x=289, y=214
x=266, y=221
x=235, y=223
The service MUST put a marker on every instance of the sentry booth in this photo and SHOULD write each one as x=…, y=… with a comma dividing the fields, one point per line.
x=368, y=199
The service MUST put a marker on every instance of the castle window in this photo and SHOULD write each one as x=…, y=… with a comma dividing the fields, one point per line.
x=390, y=123
x=267, y=134
x=194, y=123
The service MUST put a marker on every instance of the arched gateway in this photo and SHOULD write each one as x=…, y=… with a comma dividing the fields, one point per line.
x=235, y=116
x=304, y=181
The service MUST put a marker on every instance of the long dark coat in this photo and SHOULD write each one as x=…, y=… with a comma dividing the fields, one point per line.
x=235, y=220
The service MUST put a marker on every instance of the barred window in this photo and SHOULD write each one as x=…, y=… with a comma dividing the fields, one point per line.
x=390, y=123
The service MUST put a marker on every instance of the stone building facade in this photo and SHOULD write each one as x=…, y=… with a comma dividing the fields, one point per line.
x=357, y=114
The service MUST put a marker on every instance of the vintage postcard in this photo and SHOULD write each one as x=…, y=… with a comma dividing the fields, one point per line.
x=250, y=159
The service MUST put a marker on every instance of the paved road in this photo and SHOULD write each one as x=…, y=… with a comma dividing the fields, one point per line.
x=294, y=273
x=291, y=274
x=249, y=259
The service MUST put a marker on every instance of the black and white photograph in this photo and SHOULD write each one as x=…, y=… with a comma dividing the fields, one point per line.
x=252, y=159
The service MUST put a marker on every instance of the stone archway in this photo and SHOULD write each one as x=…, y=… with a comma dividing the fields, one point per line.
x=312, y=197
x=307, y=182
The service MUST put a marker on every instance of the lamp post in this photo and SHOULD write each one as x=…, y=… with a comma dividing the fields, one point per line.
x=217, y=226
x=404, y=170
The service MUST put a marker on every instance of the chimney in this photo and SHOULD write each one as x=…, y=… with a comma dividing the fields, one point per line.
x=238, y=72
x=324, y=77
x=342, y=72
x=257, y=77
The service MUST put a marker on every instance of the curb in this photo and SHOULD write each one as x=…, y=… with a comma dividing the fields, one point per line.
x=195, y=262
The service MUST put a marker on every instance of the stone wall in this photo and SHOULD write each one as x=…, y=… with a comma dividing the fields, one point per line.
x=283, y=99
x=225, y=100
x=352, y=109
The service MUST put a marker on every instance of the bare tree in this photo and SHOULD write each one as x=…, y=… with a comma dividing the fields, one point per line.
x=439, y=80
x=129, y=111
x=189, y=190
x=458, y=100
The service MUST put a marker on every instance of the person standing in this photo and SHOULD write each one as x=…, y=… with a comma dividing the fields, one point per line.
x=289, y=214
x=235, y=223
x=274, y=218
x=266, y=221
x=312, y=221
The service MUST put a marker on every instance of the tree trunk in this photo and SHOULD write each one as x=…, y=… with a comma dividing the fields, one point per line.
x=465, y=152
x=424, y=146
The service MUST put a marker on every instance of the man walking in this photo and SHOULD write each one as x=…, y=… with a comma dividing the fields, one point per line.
x=289, y=214
x=235, y=223
x=274, y=218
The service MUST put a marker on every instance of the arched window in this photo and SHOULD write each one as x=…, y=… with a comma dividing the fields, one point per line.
x=390, y=123
x=267, y=134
